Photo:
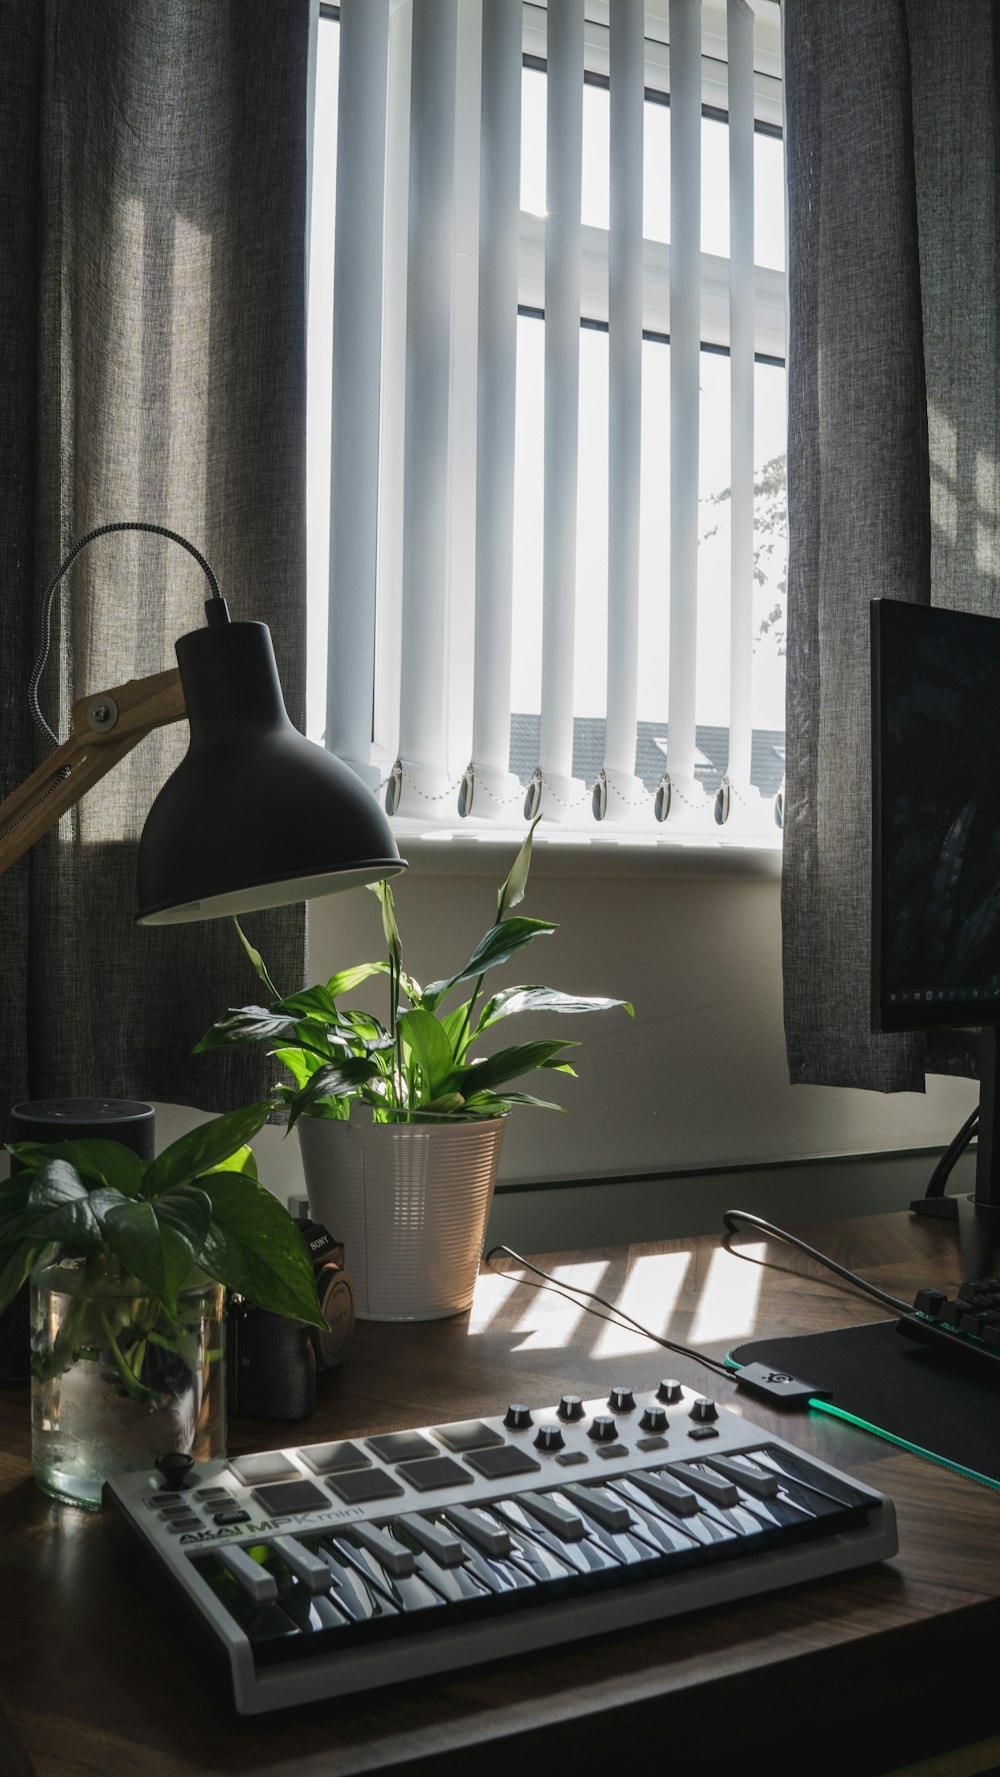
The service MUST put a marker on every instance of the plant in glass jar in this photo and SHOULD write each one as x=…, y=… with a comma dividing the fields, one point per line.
x=128, y=1260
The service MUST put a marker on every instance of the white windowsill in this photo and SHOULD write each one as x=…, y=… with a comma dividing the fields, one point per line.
x=483, y=849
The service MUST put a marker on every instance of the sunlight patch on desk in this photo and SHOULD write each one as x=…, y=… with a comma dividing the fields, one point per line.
x=493, y=1291
x=727, y=1306
x=649, y=1295
x=550, y=1322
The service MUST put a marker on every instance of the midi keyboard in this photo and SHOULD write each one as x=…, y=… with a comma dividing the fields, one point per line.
x=325, y=1569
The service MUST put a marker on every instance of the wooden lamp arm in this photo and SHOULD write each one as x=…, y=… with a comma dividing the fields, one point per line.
x=105, y=728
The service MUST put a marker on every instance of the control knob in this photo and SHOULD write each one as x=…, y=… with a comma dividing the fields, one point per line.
x=549, y=1437
x=669, y=1391
x=174, y=1466
x=621, y=1400
x=704, y=1410
x=517, y=1418
x=654, y=1419
x=570, y=1407
x=603, y=1429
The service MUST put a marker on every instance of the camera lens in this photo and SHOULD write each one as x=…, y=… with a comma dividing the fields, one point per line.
x=336, y=1301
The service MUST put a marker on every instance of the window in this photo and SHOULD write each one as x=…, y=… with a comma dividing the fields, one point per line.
x=438, y=793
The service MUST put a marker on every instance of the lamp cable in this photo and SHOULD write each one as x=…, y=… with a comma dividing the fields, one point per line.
x=215, y=606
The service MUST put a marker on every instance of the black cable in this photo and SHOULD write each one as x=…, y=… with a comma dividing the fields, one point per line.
x=158, y=530
x=733, y=1216
x=939, y=1177
x=624, y=1320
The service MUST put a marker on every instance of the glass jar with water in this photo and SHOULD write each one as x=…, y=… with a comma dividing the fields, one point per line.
x=116, y=1381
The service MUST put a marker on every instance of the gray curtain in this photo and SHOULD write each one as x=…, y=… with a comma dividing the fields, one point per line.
x=152, y=326
x=893, y=478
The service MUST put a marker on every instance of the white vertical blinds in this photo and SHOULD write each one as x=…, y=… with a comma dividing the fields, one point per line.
x=489, y=786
x=736, y=795
x=357, y=373
x=432, y=254
x=619, y=792
x=423, y=731
x=680, y=796
x=554, y=791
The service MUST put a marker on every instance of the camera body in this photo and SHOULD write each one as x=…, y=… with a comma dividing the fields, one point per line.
x=271, y=1361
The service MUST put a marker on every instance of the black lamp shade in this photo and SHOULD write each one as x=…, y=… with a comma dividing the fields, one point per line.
x=255, y=815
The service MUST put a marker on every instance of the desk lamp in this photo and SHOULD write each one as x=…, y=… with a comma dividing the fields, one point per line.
x=254, y=816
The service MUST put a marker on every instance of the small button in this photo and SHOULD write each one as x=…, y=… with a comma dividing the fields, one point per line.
x=211, y=1493
x=401, y=1446
x=268, y=1466
x=654, y=1419
x=332, y=1459
x=469, y=1434
x=364, y=1484
x=433, y=1471
x=621, y=1399
x=570, y=1408
x=549, y=1437
x=236, y=1515
x=704, y=1410
x=165, y=1498
x=517, y=1418
x=703, y=1431
x=652, y=1443
x=670, y=1391
x=494, y=1464
x=176, y=1525
x=609, y=1450
x=571, y=1458
x=603, y=1429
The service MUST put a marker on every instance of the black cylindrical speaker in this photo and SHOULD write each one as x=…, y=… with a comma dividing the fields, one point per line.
x=66, y=1119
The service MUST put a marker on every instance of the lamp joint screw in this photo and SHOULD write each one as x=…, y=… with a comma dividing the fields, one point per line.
x=102, y=714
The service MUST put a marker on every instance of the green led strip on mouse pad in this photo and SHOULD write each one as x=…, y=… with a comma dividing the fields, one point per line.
x=889, y=1437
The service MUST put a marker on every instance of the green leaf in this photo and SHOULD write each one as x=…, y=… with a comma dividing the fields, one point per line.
x=243, y=1160
x=108, y=1162
x=253, y=1246
x=338, y=1079
x=513, y=889
x=544, y=999
x=424, y=1036
x=245, y=1024
x=507, y=1064
x=389, y=927
x=312, y=1002
x=497, y=946
x=160, y=1243
x=490, y=1104
x=203, y=1148
x=300, y=1064
x=347, y=979
x=257, y=960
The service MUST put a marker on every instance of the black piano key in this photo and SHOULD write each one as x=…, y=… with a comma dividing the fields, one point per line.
x=705, y=1529
x=793, y=1467
x=658, y=1528
x=701, y=1480
x=350, y=1589
x=498, y=1573
x=408, y=1593
x=581, y=1554
x=453, y=1583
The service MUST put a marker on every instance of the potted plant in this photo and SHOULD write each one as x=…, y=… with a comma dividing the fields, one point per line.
x=401, y=1119
x=127, y=1261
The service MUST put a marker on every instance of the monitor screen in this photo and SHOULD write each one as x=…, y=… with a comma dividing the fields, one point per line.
x=935, y=817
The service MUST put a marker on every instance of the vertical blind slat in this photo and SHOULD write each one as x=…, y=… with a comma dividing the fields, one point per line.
x=625, y=383
x=388, y=626
x=357, y=352
x=499, y=207
x=562, y=381
x=741, y=371
x=423, y=691
x=685, y=318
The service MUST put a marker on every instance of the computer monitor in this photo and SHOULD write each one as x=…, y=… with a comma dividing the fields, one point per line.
x=936, y=855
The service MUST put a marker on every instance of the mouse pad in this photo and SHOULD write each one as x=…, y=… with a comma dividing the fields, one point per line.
x=897, y=1389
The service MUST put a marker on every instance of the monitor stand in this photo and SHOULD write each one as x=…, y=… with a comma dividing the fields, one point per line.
x=978, y=1215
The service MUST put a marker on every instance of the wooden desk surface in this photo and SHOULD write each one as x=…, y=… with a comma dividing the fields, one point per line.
x=860, y=1674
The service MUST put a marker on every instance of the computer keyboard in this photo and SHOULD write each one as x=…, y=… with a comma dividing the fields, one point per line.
x=324, y=1569
x=963, y=1330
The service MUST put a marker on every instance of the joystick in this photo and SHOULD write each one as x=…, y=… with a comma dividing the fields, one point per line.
x=174, y=1466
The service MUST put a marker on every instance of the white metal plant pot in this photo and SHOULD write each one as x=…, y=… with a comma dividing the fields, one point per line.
x=410, y=1203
